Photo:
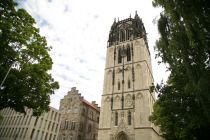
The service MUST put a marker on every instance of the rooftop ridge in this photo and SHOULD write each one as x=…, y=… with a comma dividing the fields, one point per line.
x=90, y=104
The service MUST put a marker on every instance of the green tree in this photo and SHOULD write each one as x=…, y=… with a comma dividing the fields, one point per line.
x=24, y=54
x=183, y=108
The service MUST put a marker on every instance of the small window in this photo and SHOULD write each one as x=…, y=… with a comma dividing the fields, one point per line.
x=63, y=137
x=65, y=125
x=118, y=85
x=46, y=136
x=122, y=35
x=91, y=115
x=113, y=77
x=119, y=56
x=48, y=125
x=89, y=128
x=116, y=118
x=81, y=127
x=129, y=118
x=32, y=134
x=83, y=112
x=73, y=125
x=36, y=121
x=129, y=84
x=129, y=34
x=128, y=53
x=79, y=137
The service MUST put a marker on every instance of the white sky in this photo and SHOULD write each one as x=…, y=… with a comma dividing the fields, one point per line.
x=78, y=32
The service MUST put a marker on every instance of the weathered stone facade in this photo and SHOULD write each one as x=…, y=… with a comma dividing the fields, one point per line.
x=127, y=101
x=79, y=118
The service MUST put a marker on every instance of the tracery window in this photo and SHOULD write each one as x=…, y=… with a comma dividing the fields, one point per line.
x=128, y=34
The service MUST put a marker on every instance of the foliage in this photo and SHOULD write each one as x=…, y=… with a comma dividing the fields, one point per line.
x=25, y=51
x=182, y=110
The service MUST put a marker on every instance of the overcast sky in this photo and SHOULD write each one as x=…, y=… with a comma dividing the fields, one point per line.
x=78, y=32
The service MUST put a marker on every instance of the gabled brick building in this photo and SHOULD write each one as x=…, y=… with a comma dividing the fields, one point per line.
x=79, y=118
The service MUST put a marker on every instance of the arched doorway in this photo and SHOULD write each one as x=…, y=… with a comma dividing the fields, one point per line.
x=121, y=136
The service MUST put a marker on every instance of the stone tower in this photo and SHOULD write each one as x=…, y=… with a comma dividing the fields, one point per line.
x=127, y=101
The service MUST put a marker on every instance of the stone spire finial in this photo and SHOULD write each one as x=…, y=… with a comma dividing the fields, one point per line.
x=130, y=15
x=136, y=15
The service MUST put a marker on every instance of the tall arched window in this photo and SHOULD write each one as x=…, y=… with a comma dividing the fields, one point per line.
x=122, y=36
x=113, y=77
x=118, y=85
x=129, y=118
x=128, y=53
x=129, y=34
x=116, y=118
x=129, y=84
x=119, y=56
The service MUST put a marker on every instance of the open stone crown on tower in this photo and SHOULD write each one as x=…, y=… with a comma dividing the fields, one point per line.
x=127, y=29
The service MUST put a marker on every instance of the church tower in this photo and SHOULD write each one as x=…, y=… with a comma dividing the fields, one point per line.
x=127, y=101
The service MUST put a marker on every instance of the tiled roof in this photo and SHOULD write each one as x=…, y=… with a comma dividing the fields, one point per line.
x=89, y=104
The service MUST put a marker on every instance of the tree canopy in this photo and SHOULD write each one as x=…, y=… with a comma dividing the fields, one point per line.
x=24, y=55
x=182, y=110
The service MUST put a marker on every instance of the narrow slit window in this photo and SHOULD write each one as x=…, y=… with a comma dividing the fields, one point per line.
x=128, y=53
x=116, y=118
x=129, y=118
x=119, y=56
x=129, y=84
x=118, y=85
